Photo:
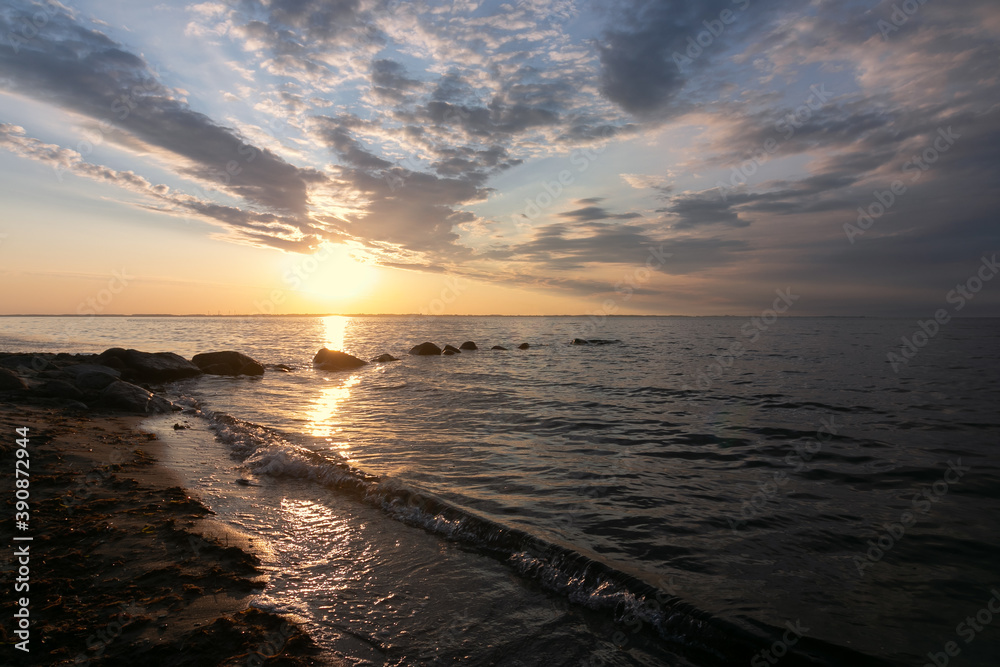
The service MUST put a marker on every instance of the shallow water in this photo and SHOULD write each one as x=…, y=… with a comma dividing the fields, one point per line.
x=547, y=492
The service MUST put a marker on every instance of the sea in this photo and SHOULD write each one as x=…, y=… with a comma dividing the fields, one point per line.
x=692, y=491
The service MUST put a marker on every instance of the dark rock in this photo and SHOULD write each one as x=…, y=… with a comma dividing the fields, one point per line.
x=284, y=368
x=331, y=360
x=523, y=346
x=499, y=347
x=10, y=382
x=31, y=362
x=426, y=349
x=452, y=349
x=593, y=341
x=121, y=395
x=383, y=358
x=149, y=366
x=450, y=353
x=227, y=363
x=92, y=378
x=60, y=389
x=468, y=345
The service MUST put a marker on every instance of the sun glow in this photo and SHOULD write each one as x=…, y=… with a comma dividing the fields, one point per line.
x=332, y=274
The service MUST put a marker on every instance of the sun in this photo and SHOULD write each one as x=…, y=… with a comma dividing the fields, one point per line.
x=334, y=273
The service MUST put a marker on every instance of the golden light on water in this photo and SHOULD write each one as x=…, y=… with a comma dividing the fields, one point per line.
x=334, y=330
x=323, y=416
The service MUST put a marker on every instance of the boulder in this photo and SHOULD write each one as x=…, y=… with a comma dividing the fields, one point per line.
x=227, y=363
x=121, y=395
x=468, y=345
x=580, y=341
x=32, y=362
x=94, y=381
x=149, y=366
x=383, y=358
x=10, y=382
x=499, y=347
x=452, y=349
x=331, y=360
x=450, y=353
x=93, y=374
x=523, y=346
x=426, y=349
x=60, y=389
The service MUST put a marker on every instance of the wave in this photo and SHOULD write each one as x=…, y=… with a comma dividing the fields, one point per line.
x=557, y=568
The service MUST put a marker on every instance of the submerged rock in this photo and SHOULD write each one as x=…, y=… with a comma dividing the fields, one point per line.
x=468, y=345
x=425, y=350
x=523, y=346
x=383, y=358
x=593, y=341
x=499, y=347
x=148, y=366
x=125, y=396
x=227, y=363
x=332, y=360
x=450, y=353
x=452, y=349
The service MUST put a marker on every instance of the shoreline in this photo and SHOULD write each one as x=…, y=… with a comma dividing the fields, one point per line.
x=125, y=566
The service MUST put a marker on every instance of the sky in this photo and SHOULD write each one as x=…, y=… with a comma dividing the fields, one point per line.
x=530, y=157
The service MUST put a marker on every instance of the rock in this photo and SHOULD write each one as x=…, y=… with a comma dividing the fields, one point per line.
x=331, y=360
x=468, y=345
x=60, y=389
x=284, y=368
x=452, y=349
x=450, y=353
x=523, y=346
x=92, y=378
x=31, y=362
x=149, y=366
x=593, y=341
x=383, y=358
x=499, y=347
x=227, y=363
x=11, y=382
x=130, y=398
x=426, y=349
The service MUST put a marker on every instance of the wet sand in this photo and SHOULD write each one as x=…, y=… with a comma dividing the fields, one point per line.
x=125, y=566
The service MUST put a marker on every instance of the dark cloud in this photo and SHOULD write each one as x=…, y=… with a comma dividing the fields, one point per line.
x=84, y=71
x=589, y=213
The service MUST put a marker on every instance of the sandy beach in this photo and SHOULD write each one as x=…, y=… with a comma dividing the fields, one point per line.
x=125, y=567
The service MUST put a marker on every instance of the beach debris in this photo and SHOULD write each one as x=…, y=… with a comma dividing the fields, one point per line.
x=227, y=362
x=333, y=360
x=425, y=349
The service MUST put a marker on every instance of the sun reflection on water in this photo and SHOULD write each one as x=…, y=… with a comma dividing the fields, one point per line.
x=334, y=330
